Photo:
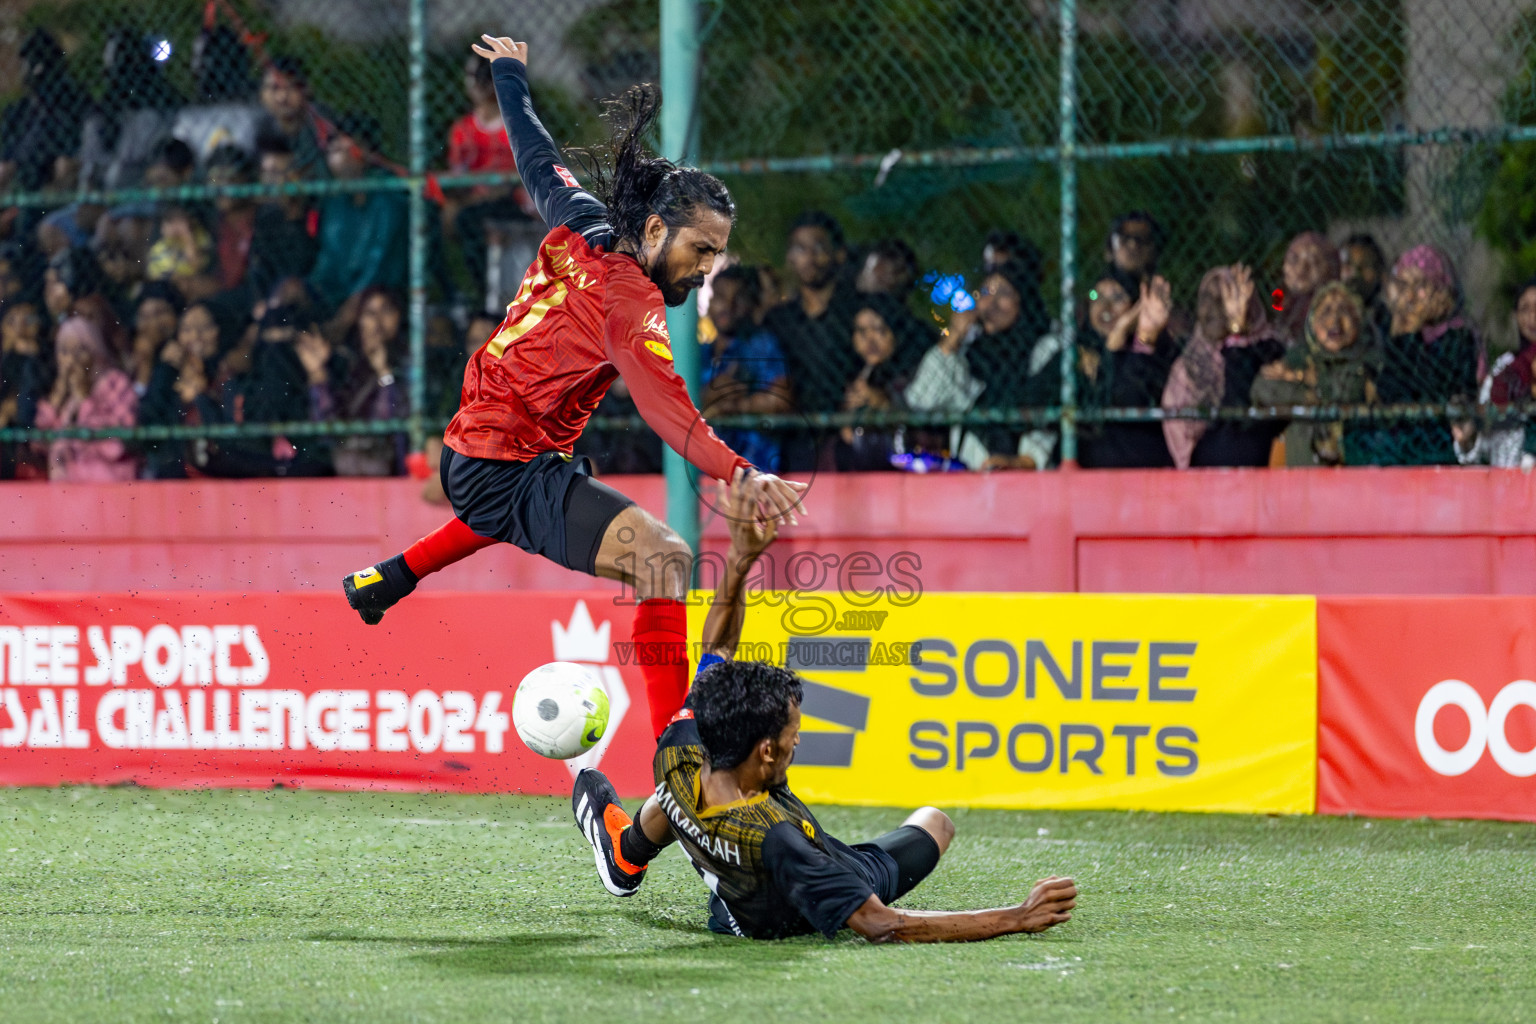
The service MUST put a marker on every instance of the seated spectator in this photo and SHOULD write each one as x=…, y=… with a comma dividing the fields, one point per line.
x=1231, y=342
x=1511, y=381
x=71, y=275
x=813, y=327
x=88, y=391
x=477, y=144
x=122, y=243
x=363, y=234
x=889, y=268
x=295, y=376
x=879, y=386
x=1006, y=359
x=223, y=113
x=1127, y=353
x=44, y=125
x=23, y=384
x=289, y=114
x=235, y=224
x=183, y=256
x=154, y=325
x=1135, y=245
x=134, y=117
x=1432, y=356
x=20, y=276
x=1336, y=366
x=283, y=239
x=743, y=372
x=183, y=390
x=1363, y=266
x=172, y=165
x=374, y=389
x=1003, y=246
x=1311, y=261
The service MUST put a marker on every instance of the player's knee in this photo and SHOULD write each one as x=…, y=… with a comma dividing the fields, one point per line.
x=668, y=566
x=936, y=823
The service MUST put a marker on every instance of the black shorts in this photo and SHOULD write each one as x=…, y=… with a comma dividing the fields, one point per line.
x=896, y=862
x=549, y=505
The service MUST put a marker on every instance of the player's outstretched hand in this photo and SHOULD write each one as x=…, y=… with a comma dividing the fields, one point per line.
x=1050, y=903
x=502, y=46
x=750, y=535
x=779, y=499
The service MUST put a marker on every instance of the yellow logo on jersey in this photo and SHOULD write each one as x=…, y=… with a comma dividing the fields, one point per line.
x=366, y=577
x=659, y=348
x=808, y=829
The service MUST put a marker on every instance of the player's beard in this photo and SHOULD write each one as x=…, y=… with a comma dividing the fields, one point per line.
x=673, y=293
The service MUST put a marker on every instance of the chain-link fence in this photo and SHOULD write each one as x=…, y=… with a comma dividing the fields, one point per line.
x=972, y=233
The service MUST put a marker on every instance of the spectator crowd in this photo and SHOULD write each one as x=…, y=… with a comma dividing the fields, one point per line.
x=289, y=309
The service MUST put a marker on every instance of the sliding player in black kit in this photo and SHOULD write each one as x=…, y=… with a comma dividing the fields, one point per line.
x=722, y=792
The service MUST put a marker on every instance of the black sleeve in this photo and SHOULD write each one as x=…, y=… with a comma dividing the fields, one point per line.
x=31, y=386
x=825, y=892
x=560, y=201
x=160, y=405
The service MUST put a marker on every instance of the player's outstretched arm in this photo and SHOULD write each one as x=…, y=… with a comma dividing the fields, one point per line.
x=1050, y=903
x=750, y=537
x=554, y=190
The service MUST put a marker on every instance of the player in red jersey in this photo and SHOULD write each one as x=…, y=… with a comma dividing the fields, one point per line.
x=591, y=309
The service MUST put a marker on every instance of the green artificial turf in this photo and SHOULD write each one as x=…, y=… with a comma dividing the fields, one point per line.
x=137, y=905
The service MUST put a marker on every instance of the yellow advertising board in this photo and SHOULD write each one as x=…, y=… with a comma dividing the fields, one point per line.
x=1181, y=703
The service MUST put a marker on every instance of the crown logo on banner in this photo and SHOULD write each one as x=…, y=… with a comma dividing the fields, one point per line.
x=580, y=640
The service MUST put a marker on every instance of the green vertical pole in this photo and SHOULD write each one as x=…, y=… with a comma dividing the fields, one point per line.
x=1067, y=141
x=417, y=389
x=679, y=84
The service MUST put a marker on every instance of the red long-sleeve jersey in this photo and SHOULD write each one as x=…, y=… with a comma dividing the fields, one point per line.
x=583, y=317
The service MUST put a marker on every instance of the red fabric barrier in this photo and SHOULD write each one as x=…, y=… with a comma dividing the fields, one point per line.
x=226, y=689
x=1425, y=707
x=1397, y=531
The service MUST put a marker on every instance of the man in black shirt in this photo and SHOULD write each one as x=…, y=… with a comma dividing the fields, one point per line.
x=815, y=328
x=722, y=792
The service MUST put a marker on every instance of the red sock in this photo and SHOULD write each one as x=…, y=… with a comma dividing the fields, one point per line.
x=661, y=645
x=444, y=546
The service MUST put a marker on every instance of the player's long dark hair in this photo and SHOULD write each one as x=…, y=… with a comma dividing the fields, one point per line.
x=633, y=184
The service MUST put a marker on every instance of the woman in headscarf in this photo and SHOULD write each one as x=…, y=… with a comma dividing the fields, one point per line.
x=1511, y=381
x=1311, y=261
x=1337, y=365
x=184, y=389
x=1433, y=356
x=89, y=391
x=375, y=386
x=1231, y=341
x=1008, y=359
x=888, y=340
x=1126, y=354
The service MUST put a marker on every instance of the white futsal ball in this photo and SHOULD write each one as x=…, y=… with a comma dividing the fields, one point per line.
x=560, y=710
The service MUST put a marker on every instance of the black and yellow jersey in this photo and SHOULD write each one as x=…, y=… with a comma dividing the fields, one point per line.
x=771, y=868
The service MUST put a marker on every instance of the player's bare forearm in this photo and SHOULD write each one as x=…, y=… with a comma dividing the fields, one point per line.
x=940, y=926
x=1049, y=904
x=728, y=610
x=749, y=539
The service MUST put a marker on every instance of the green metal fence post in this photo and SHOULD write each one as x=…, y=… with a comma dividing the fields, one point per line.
x=679, y=83
x=418, y=252
x=1067, y=140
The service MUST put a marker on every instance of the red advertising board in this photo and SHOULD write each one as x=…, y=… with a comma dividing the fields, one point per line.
x=1426, y=706
x=226, y=689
